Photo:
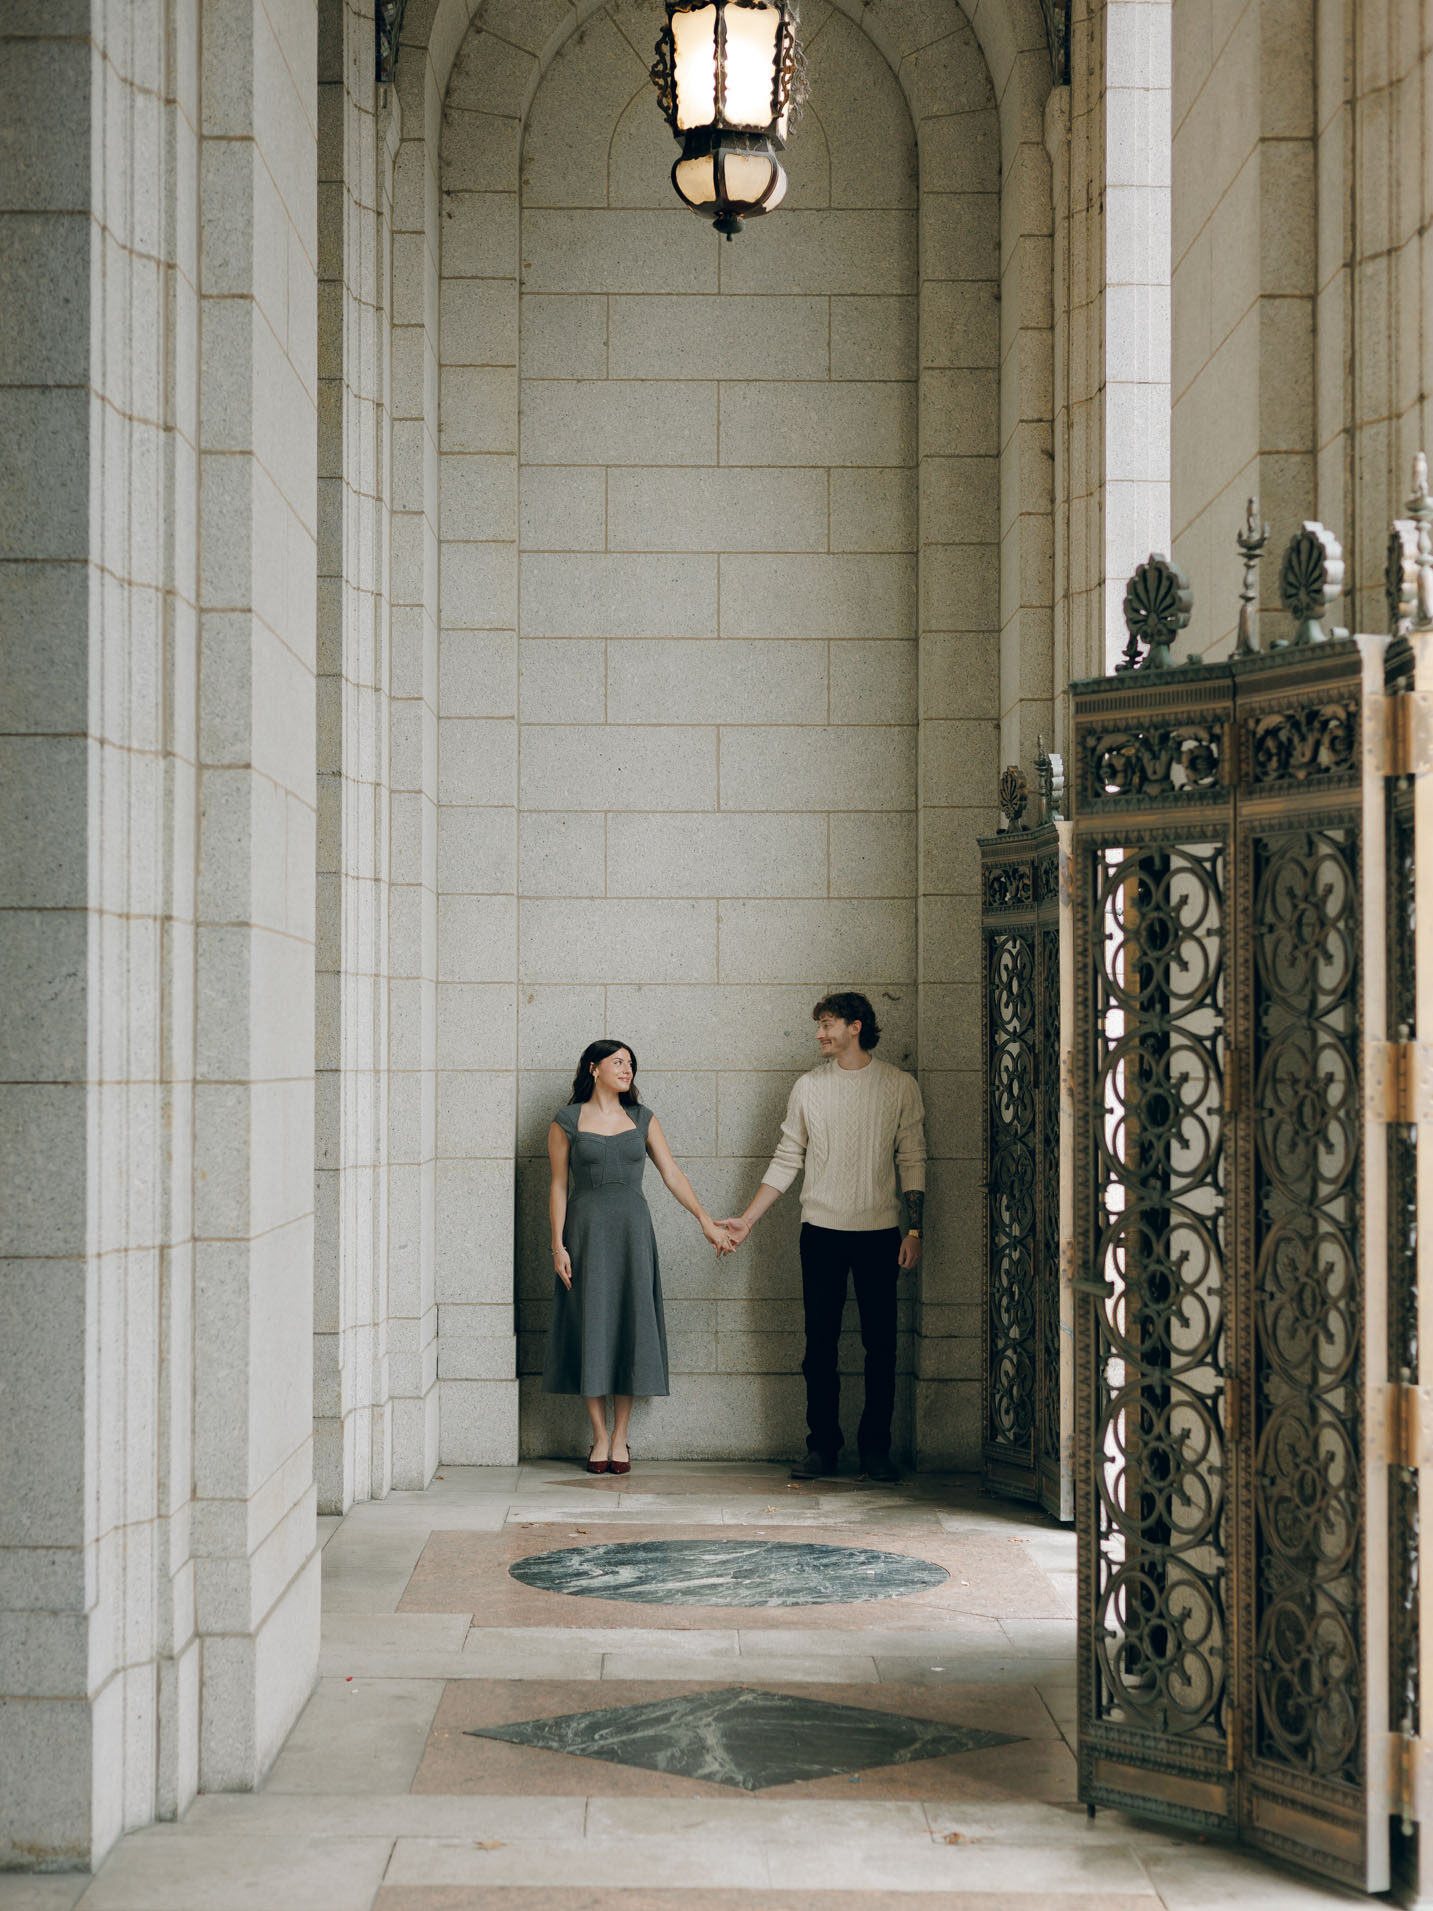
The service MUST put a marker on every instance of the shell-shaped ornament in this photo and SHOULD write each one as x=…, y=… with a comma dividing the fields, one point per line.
x=1013, y=796
x=1310, y=578
x=1400, y=575
x=1158, y=604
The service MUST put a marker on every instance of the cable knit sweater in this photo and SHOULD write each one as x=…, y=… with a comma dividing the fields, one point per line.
x=851, y=1128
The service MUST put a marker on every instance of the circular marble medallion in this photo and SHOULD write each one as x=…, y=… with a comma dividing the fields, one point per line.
x=702, y=1572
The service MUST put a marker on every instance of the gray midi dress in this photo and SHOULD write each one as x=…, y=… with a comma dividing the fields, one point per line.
x=608, y=1334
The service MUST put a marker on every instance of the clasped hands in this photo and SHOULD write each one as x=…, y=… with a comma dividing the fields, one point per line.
x=722, y=1237
x=727, y=1236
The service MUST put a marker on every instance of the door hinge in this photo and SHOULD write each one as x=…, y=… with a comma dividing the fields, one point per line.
x=1234, y=1737
x=1393, y=1067
x=1405, y=1773
x=1398, y=736
x=1233, y=1409
x=1405, y=1430
x=1233, y=1079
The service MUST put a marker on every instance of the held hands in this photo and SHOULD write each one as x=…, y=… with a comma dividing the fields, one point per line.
x=717, y=1232
x=562, y=1263
x=737, y=1229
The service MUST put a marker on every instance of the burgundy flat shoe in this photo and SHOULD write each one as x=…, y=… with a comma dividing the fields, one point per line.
x=599, y=1466
x=621, y=1466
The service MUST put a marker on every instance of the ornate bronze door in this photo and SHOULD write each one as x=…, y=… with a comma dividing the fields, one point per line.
x=1231, y=1246
x=1027, y=1368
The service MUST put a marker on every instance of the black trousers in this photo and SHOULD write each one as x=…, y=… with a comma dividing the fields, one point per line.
x=827, y=1255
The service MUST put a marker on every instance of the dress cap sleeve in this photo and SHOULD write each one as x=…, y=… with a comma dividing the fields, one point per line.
x=642, y=1115
x=566, y=1118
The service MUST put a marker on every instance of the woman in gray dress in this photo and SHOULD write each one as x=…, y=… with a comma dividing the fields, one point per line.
x=608, y=1335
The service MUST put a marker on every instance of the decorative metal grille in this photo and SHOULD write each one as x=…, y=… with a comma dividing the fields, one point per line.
x=1023, y=1444
x=1250, y=1427
x=1010, y=995
x=1404, y=1707
x=1048, y=1419
x=1307, y=1304
x=1159, y=983
x=1220, y=1356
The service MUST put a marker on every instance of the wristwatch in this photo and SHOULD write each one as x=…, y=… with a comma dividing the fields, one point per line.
x=915, y=1231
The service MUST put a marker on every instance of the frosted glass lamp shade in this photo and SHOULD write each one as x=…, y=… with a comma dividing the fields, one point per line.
x=728, y=74
x=727, y=185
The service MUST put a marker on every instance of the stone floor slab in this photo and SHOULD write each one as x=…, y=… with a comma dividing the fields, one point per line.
x=27, y=1891
x=581, y=1898
x=157, y=1872
x=358, y=1735
x=753, y=1816
x=384, y=1814
x=924, y=1865
x=715, y=1642
x=1217, y=1878
x=684, y=1862
x=848, y=1667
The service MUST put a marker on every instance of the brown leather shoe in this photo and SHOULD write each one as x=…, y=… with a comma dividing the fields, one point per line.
x=598, y=1466
x=621, y=1466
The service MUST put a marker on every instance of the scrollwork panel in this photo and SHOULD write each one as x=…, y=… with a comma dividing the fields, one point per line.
x=1307, y=1303
x=1011, y=1193
x=1158, y=988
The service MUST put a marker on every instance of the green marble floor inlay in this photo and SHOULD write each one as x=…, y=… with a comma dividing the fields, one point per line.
x=729, y=1572
x=745, y=1738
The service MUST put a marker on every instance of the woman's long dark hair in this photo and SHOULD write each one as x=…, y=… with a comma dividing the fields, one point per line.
x=583, y=1082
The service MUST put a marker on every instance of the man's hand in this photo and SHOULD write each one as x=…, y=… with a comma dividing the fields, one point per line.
x=738, y=1228
x=910, y=1254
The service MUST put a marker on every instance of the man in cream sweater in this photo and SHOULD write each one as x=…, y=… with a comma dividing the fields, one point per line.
x=851, y=1122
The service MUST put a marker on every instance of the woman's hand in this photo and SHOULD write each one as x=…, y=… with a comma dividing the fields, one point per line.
x=562, y=1262
x=718, y=1237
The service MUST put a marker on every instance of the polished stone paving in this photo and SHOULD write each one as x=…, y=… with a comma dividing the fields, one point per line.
x=749, y=1739
x=729, y=1572
x=383, y=1800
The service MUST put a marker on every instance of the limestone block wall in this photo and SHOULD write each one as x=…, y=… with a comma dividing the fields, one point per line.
x=1302, y=366
x=1373, y=369
x=1245, y=219
x=353, y=1409
x=717, y=687
x=1134, y=279
x=1107, y=136
x=720, y=660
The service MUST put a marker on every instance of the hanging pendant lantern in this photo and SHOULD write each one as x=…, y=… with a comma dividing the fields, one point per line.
x=730, y=77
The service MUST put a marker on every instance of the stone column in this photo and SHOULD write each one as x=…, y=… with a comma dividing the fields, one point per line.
x=353, y=1410
x=98, y=1661
x=413, y=774
x=257, y=1566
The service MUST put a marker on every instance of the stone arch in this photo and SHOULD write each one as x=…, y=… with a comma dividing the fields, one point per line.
x=975, y=88
x=918, y=42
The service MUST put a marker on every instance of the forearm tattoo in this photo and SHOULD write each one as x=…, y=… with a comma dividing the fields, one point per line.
x=915, y=1207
